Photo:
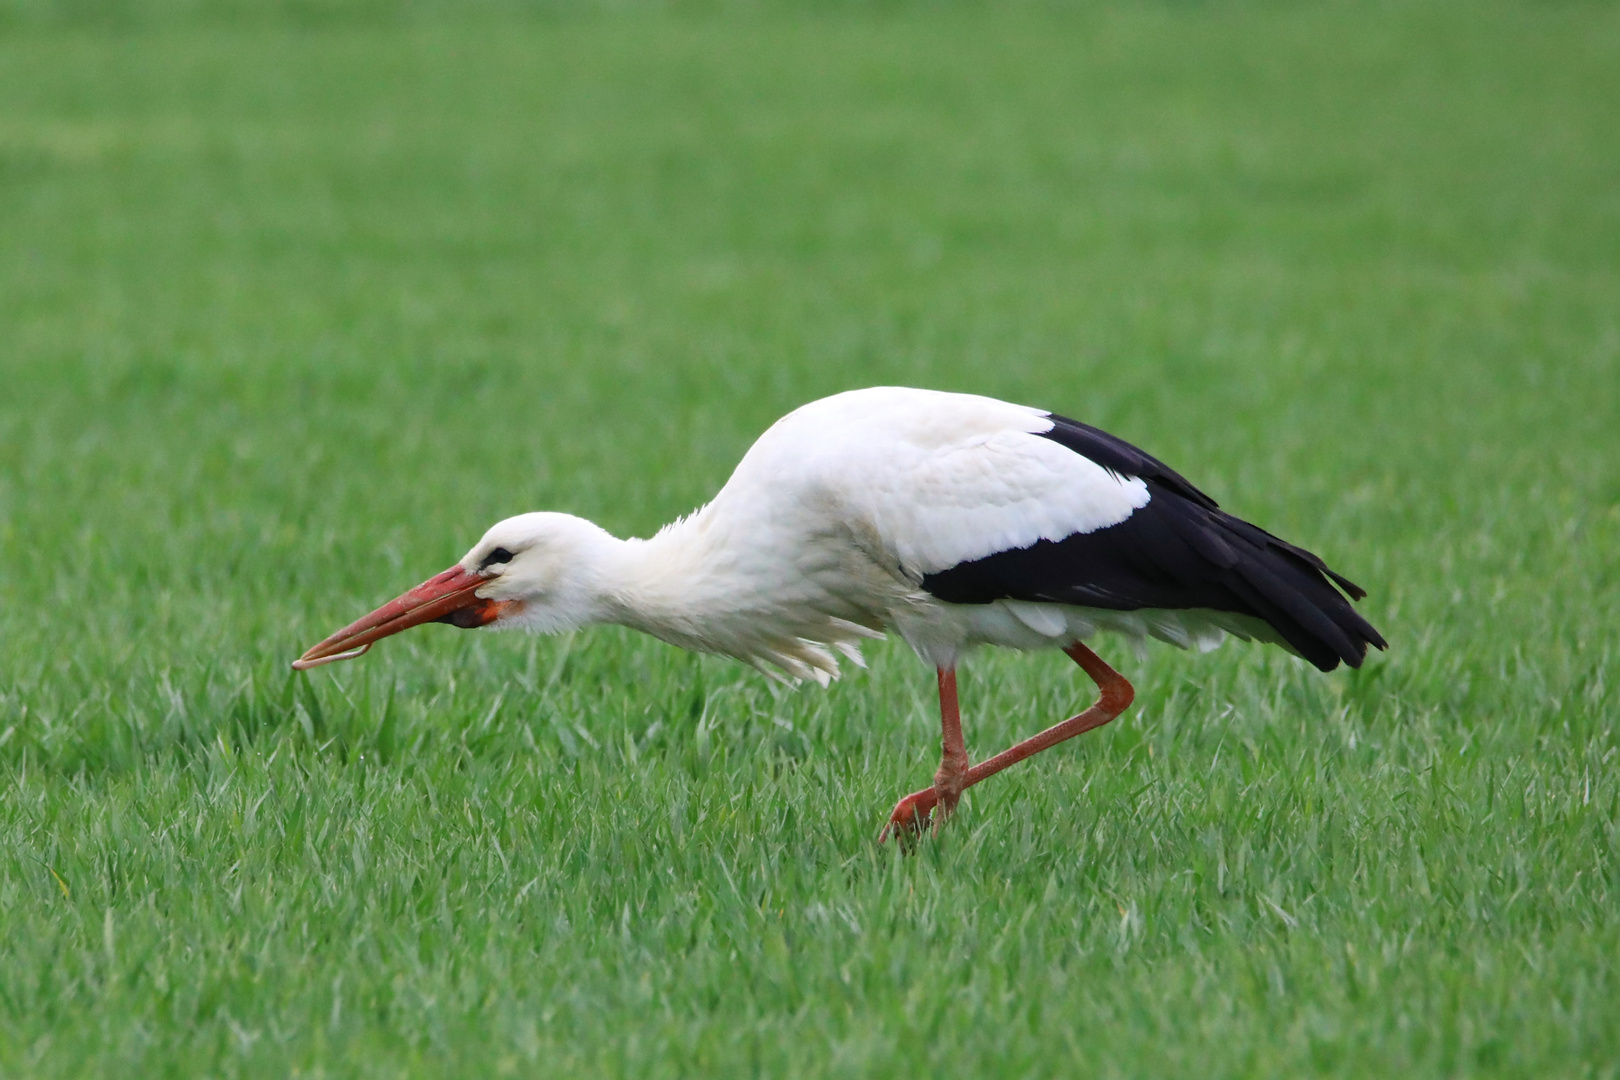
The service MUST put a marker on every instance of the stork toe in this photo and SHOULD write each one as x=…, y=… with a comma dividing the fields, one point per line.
x=911, y=814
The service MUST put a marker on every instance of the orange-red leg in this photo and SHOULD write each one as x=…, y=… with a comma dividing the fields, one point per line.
x=955, y=775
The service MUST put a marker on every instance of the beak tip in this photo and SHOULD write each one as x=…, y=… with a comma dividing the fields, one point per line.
x=305, y=662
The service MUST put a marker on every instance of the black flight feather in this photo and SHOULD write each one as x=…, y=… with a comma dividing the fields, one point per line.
x=1179, y=551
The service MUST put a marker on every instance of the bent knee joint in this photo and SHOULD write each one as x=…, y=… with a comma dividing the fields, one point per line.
x=1116, y=695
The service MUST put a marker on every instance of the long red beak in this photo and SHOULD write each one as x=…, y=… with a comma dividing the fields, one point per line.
x=447, y=597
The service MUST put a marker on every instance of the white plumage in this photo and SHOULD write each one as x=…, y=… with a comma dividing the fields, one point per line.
x=955, y=520
x=826, y=529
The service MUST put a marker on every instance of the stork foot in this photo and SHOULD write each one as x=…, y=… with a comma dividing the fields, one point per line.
x=911, y=815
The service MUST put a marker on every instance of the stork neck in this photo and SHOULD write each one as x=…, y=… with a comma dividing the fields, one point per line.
x=665, y=585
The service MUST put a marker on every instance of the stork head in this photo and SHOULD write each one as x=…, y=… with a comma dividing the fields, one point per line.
x=536, y=571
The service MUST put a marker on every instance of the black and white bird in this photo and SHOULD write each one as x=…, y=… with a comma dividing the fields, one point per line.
x=951, y=519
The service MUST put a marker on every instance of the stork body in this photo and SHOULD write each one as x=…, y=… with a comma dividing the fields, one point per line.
x=954, y=520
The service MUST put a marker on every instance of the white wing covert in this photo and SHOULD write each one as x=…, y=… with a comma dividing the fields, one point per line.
x=1002, y=493
x=940, y=479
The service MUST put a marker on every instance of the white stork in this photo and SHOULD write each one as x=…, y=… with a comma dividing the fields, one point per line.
x=953, y=519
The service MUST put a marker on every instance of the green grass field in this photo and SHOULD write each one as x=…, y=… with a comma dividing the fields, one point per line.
x=295, y=301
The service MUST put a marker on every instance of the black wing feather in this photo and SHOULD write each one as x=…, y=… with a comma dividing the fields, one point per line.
x=1179, y=551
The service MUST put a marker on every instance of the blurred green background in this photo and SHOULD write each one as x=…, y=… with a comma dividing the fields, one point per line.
x=296, y=298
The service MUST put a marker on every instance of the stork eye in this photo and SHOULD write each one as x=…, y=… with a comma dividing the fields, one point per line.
x=499, y=555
